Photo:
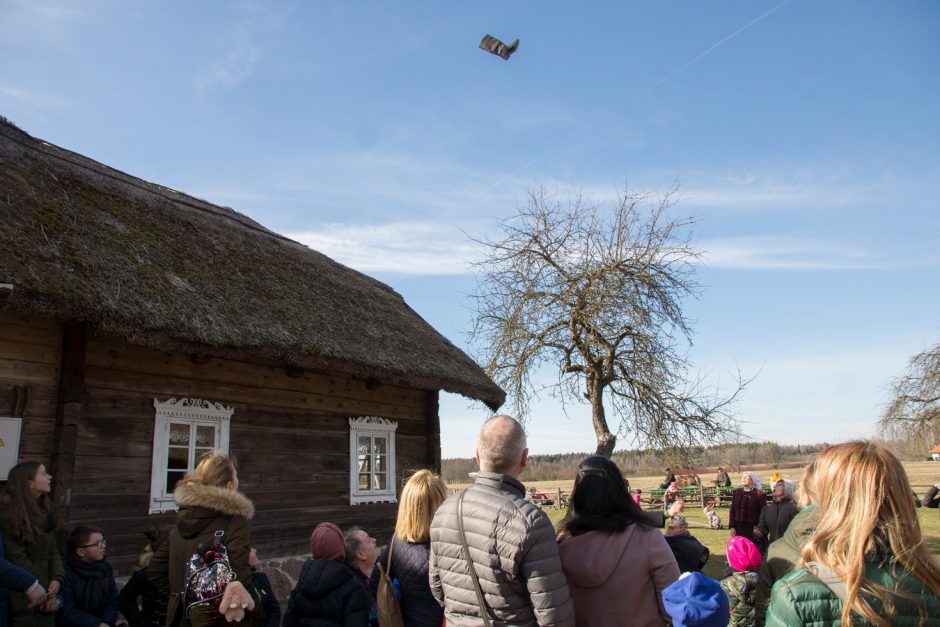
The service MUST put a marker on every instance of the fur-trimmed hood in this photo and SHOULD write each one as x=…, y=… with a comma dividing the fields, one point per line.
x=201, y=504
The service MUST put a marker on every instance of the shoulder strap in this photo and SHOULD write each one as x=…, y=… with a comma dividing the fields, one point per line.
x=484, y=610
x=220, y=532
x=830, y=579
x=388, y=568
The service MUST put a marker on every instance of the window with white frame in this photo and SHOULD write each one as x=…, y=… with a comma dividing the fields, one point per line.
x=372, y=460
x=184, y=429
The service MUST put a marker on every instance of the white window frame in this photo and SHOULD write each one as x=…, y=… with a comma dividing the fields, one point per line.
x=372, y=426
x=191, y=411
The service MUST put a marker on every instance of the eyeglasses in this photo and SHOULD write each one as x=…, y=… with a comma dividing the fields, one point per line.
x=100, y=544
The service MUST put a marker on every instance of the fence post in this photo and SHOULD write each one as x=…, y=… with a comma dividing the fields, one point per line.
x=558, y=498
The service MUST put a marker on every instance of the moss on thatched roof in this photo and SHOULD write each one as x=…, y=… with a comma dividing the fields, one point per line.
x=80, y=241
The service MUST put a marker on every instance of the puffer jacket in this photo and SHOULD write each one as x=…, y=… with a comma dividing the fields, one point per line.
x=202, y=511
x=328, y=594
x=618, y=579
x=512, y=545
x=740, y=590
x=802, y=599
x=42, y=560
x=782, y=557
x=419, y=608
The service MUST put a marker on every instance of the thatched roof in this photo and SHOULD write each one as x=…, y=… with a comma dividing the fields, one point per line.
x=80, y=241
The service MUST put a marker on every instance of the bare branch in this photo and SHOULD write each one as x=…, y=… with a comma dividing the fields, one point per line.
x=597, y=295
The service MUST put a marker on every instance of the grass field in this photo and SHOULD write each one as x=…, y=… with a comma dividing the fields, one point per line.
x=921, y=475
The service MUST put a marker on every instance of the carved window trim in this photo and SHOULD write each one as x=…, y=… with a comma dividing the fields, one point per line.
x=374, y=428
x=187, y=411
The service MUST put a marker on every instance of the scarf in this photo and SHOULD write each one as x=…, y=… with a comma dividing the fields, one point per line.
x=95, y=576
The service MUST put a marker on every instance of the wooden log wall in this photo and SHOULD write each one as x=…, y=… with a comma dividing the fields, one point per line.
x=30, y=354
x=290, y=435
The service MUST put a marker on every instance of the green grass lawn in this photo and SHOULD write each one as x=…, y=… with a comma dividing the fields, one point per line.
x=715, y=539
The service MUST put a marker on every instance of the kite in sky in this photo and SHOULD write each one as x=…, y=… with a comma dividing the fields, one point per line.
x=495, y=46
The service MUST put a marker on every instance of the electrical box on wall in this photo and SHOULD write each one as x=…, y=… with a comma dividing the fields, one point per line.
x=9, y=444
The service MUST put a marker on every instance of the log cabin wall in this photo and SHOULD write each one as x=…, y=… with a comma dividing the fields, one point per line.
x=290, y=436
x=30, y=354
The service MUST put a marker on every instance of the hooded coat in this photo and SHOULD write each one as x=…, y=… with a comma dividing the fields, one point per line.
x=328, y=594
x=202, y=511
x=618, y=579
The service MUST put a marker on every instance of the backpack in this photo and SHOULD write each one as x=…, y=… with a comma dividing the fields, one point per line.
x=386, y=597
x=208, y=572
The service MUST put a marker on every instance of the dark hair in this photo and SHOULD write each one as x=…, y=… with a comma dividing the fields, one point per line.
x=29, y=516
x=79, y=536
x=600, y=501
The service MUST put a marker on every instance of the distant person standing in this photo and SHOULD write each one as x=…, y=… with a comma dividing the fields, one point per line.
x=776, y=515
x=492, y=552
x=670, y=478
x=747, y=502
x=722, y=480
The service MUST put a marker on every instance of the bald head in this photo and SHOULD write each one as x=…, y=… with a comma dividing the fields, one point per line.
x=502, y=446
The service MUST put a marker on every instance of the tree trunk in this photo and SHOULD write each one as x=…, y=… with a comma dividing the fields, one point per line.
x=605, y=439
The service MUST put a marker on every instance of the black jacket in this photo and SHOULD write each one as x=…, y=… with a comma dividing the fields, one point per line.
x=419, y=608
x=142, y=603
x=775, y=518
x=327, y=594
x=690, y=554
x=272, y=609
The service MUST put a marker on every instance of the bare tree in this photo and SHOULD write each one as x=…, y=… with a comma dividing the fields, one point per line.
x=597, y=296
x=915, y=409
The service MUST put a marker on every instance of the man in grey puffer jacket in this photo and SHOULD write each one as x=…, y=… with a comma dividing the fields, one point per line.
x=511, y=542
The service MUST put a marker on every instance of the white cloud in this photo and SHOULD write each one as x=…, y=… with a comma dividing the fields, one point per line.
x=782, y=252
x=407, y=247
x=235, y=67
x=242, y=48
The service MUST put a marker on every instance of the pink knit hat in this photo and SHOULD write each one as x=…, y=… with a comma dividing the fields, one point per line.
x=326, y=542
x=742, y=554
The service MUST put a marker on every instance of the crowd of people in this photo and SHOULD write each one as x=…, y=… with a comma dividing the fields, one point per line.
x=843, y=548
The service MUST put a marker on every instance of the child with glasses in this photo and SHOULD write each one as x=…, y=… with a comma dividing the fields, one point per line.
x=89, y=596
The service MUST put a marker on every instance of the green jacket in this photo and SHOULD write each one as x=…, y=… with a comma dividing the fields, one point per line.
x=202, y=511
x=802, y=599
x=42, y=559
x=782, y=556
x=740, y=590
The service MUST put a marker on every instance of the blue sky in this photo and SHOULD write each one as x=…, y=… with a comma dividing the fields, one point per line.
x=804, y=136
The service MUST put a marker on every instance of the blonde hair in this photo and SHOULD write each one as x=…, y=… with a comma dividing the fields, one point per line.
x=807, y=494
x=865, y=506
x=422, y=495
x=215, y=468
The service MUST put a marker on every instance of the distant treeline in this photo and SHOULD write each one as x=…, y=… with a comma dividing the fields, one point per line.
x=651, y=462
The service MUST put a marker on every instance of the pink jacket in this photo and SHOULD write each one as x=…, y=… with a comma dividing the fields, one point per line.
x=618, y=579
